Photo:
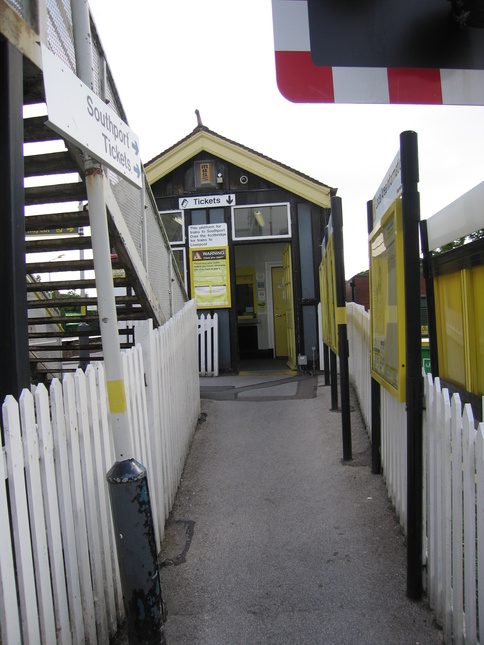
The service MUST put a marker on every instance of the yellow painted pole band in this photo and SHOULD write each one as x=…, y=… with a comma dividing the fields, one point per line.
x=341, y=315
x=116, y=397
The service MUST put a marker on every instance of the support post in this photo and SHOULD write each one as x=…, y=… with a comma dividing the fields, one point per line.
x=128, y=485
x=14, y=326
x=334, y=380
x=326, y=364
x=343, y=350
x=375, y=391
x=414, y=379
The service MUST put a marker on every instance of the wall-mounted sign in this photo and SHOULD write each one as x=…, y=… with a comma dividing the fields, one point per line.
x=82, y=117
x=203, y=235
x=209, y=265
x=204, y=201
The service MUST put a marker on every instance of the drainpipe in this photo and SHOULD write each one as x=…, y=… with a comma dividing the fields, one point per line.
x=127, y=479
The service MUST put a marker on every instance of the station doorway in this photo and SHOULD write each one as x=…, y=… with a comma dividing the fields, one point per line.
x=264, y=303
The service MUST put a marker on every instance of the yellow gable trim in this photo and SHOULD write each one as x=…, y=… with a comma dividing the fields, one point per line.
x=245, y=159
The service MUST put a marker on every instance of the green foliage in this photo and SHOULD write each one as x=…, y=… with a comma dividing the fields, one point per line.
x=472, y=237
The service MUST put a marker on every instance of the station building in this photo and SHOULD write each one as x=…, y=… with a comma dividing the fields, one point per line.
x=246, y=232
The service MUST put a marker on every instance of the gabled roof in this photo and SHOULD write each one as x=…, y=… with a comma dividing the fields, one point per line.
x=203, y=139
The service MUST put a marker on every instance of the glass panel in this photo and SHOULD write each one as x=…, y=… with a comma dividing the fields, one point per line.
x=261, y=221
x=173, y=221
x=450, y=328
x=306, y=251
x=199, y=216
x=310, y=333
x=216, y=216
x=179, y=255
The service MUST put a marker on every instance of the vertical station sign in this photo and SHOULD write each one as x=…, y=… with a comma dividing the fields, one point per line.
x=209, y=265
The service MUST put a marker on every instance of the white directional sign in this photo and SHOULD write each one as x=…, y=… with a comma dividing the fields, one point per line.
x=80, y=116
x=202, y=201
x=389, y=189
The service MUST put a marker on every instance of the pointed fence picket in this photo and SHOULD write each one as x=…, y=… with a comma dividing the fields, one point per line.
x=59, y=577
x=208, y=345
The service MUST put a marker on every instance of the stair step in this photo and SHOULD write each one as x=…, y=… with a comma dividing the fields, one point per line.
x=54, y=370
x=36, y=130
x=55, y=221
x=60, y=266
x=74, y=345
x=33, y=86
x=72, y=192
x=40, y=335
x=49, y=303
x=137, y=314
x=53, y=163
x=57, y=285
x=67, y=243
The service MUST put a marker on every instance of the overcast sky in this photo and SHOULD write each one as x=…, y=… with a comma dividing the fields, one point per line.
x=217, y=56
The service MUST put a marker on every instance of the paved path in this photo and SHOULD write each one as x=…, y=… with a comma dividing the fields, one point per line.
x=273, y=539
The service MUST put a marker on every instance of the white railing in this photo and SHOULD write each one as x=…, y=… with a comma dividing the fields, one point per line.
x=454, y=486
x=208, y=345
x=62, y=563
x=453, y=496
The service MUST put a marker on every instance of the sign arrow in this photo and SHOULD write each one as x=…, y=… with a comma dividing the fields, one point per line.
x=135, y=147
x=230, y=200
x=137, y=170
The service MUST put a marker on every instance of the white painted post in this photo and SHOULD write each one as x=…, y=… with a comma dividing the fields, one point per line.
x=128, y=484
x=201, y=345
x=215, y=344
x=457, y=557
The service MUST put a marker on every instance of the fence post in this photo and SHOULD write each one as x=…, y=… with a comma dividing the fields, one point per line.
x=414, y=380
x=201, y=345
x=215, y=345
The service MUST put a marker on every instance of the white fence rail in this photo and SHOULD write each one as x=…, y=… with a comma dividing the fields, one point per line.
x=59, y=579
x=208, y=345
x=453, y=496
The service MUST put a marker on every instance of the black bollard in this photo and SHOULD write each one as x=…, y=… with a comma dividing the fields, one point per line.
x=137, y=557
x=84, y=353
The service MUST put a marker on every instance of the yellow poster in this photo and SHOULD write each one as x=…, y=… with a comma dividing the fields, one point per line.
x=387, y=302
x=210, y=277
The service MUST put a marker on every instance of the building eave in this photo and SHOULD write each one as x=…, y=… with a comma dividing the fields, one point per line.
x=205, y=141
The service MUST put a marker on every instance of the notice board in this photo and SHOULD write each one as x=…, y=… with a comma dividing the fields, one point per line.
x=387, y=301
x=209, y=265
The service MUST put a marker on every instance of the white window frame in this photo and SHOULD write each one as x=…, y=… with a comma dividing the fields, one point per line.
x=176, y=247
x=261, y=237
x=182, y=213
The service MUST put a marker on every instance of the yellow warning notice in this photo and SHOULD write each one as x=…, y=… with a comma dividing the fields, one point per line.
x=210, y=277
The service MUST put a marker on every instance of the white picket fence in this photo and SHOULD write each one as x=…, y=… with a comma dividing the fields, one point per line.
x=453, y=496
x=208, y=345
x=59, y=579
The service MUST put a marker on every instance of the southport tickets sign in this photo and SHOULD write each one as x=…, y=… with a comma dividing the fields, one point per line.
x=77, y=114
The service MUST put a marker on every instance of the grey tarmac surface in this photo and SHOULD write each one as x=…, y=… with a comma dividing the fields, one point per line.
x=273, y=539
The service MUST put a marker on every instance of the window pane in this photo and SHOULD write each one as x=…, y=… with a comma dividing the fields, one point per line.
x=179, y=255
x=199, y=216
x=216, y=215
x=261, y=221
x=173, y=223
